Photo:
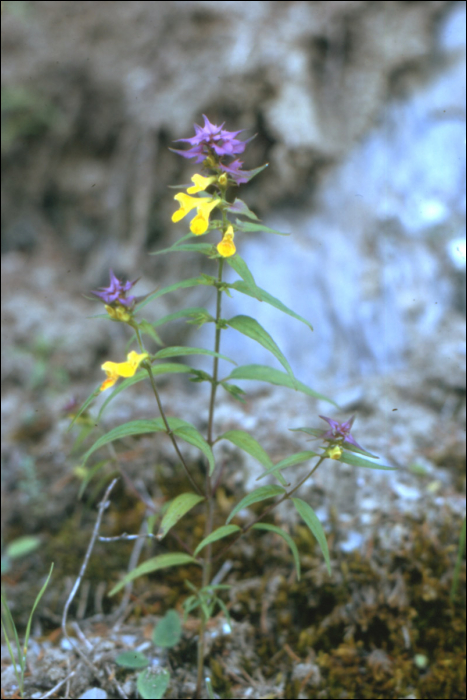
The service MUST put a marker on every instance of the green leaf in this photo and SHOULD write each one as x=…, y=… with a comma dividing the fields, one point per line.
x=132, y=659
x=241, y=268
x=204, y=248
x=290, y=461
x=218, y=534
x=259, y=494
x=175, y=245
x=22, y=546
x=239, y=207
x=182, y=428
x=248, y=444
x=169, y=630
x=263, y=373
x=193, y=311
x=176, y=510
x=307, y=513
x=153, y=683
x=286, y=537
x=33, y=610
x=163, y=368
x=262, y=295
x=252, y=329
x=85, y=405
x=356, y=461
x=148, y=329
x=234, y=391
x=180, y=351
x=162, y=561
x=192, y=282
x=193, y=437
x=248, y=226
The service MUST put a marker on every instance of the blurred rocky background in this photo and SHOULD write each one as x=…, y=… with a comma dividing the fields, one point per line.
x=359, y=109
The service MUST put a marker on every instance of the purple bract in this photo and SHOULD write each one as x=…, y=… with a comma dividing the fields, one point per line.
x=212, y=138
x=340, y=432
x=116, y=292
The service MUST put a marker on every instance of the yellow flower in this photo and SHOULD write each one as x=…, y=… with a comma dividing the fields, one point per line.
x=114, y=370
x=204, y=207
x=334, y=452
x=226, y=247
x=118, y=313
x=201, y=183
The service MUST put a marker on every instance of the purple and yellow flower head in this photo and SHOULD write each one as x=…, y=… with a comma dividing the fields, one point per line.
x=212, y=139
x=339, y=433
x=116, y=292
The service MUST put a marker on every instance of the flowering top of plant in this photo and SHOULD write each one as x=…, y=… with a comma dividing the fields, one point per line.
x=212, y=138
x=340, y=432
x=210, y=145
x=116, y=292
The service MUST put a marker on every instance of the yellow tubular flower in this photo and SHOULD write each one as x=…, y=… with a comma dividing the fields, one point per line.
x=187, y=203
x=114, y=370
x=200, y=223
x=204, y=206
x=334, y=452
x=226, y=247
x=200, y=183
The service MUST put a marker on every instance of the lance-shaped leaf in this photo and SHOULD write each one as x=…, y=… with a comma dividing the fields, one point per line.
x=182, y=428
x=85, y=405
x=218, y=534
x=263, y=295
x=290, y=461
x=263, y=373
x=192, y=282
x=176, y=245
x=162, y=561
x=204, y=248
x=239, y=207
x=234, y=391
x=259, y=494
x=286, y=537
x=192, y=436
x=180, y=351
x=241, y=268
x=307, y=513
x=356, y=461
x=248, y=444
x=176, y=510
x=193, y=312
x=163, y=368
x=148, y=329
x=250, y=227
x=252, y=329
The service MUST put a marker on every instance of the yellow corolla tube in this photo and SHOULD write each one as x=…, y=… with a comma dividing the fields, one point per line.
x=200, y=183
x=226, y=247
x=204, y=206
x=114, y=370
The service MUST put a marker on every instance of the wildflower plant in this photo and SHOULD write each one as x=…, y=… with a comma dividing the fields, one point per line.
x=214, y=212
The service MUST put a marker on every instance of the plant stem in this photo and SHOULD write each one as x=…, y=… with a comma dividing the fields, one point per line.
x=209, y=494
x=148, y=367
